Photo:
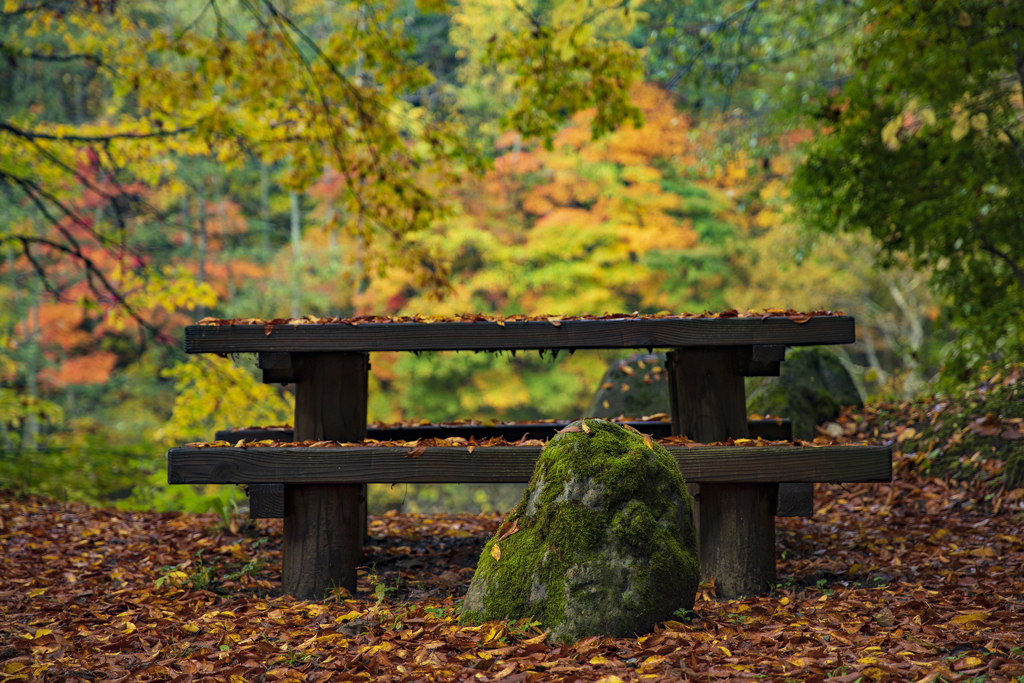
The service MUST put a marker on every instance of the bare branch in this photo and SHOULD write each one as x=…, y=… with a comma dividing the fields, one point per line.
x=33, y=136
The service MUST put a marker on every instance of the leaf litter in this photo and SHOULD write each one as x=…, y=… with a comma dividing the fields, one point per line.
x=922, y=580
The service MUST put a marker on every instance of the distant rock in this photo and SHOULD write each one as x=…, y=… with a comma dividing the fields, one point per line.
x=809, y=391
x=634, y=387
x=602, y=542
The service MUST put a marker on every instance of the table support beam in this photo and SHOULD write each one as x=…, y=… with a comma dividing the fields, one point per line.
x=323, y=522
x=735, y=522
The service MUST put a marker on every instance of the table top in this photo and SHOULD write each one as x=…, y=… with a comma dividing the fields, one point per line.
x=498, y=335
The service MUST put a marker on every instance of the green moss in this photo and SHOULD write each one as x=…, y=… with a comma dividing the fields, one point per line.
x=645, y=380
x=812, y=386
x=606, y=542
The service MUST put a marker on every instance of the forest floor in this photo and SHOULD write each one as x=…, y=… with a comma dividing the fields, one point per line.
x=921, y=580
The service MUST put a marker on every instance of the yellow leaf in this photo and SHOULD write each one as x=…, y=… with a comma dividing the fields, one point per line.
x=13, y=667
x=652, y=661
x=536, y=640
x=979, y=121
x=598, y=660
x=128, y=628
x=890, y=132
x=349, y=616
x=586, y=428
x=496, y=552
x=927, y=116
x=969, y=620
x=961, y=125
x=39, y=634
x=608, y=679
x=191, y=628
x=970, y=662
x=725, y=651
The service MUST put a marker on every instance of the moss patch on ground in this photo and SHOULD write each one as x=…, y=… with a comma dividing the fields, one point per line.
x=602, y=542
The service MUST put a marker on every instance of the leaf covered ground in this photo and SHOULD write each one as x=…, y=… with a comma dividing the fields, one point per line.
x=920, y=580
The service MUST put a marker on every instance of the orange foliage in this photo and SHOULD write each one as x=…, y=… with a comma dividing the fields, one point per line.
x=94, y=368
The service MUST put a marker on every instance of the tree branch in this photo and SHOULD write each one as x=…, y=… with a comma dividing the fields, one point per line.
x=33, y=136
x=1014, y=266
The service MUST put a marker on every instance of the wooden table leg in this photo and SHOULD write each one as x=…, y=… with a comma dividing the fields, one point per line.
x=736, y=522
x=323, y=522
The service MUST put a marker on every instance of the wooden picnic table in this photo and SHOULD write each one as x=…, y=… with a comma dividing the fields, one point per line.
x=329, y=365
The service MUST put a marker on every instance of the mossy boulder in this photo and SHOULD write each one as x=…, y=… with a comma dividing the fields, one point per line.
x=602, y=542
x=812, y=386
x=635, y=386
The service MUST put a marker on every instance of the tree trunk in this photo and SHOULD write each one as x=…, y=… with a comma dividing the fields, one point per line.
x=296, y=253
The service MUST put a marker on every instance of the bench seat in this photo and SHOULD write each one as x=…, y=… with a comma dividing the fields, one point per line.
x=277, y=466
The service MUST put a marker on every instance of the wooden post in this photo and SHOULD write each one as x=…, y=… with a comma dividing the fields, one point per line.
x=736, y=522
x=322, y=524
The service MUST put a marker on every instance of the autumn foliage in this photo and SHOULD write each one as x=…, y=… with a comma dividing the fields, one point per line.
x=917, y=581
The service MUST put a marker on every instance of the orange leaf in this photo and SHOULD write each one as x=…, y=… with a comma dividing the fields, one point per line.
x=504, y=533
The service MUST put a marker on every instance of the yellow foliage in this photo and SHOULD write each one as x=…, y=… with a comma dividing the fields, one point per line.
x=213, y=393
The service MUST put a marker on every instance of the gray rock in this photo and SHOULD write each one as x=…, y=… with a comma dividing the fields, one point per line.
x=604, y=542
x=812, y=386
x=635, y=386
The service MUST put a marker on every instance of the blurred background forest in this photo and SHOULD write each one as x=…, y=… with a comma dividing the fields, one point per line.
x=165, y=161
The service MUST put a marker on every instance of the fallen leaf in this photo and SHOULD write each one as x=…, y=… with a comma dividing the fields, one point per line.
x=505, y=533
x=416, y=452
x=496, y=552
x=969, y=620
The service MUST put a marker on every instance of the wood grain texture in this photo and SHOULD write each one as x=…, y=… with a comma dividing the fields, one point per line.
x=473, y=336
x=322, y=545
x=511, y=464
x=330, y=396
x=266, y=501
x=709, y=402
x=325, y=524
x=737, y=537
x=735, y=521
x=796, y=499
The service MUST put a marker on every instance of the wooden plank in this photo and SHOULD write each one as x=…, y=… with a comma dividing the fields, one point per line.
x=735, y=521
x=512, y=464
x=630, y=333
x=796, y=499
x=710, y=400
x=266, y=501
x=324, y=527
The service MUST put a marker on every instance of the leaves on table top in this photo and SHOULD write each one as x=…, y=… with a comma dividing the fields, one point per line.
x=556, y=320
x=419, y=446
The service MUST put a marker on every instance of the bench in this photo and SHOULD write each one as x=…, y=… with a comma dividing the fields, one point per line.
x=321, y=489
x=794, y=499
